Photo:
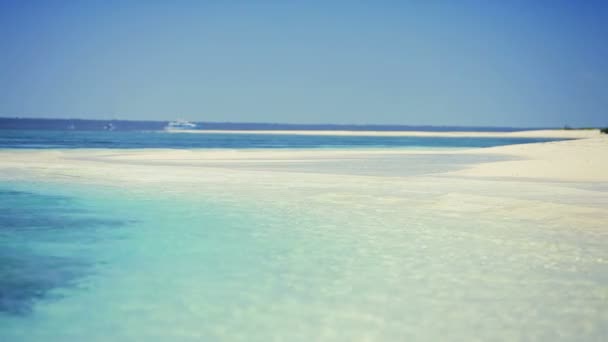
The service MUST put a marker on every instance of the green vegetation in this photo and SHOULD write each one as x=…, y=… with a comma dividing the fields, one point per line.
x=568, y=128
x=604, y=130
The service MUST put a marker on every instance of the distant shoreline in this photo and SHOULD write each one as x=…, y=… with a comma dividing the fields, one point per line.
x=566, y=134
x=378, y=130
x=579, y=159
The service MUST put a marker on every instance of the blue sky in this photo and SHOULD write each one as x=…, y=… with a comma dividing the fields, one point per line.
x=489, y=63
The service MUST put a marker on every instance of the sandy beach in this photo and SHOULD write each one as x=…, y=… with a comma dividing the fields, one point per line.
x=389, y=242
x=580, y=159
x=566, y=134
x=564, y=178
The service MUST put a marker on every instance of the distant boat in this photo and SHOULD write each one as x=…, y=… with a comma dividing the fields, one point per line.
x=71, y=127
x=109, y=127
x=178, y=125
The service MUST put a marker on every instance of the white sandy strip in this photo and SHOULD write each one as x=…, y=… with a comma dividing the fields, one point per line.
x=581, y=160
x=575, y=134
x=521, y=188
x=584, y=160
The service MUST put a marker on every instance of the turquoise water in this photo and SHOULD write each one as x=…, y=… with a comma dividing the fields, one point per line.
x=159, y=139
x=99, y=263
x=83, y=263
x=289, y=245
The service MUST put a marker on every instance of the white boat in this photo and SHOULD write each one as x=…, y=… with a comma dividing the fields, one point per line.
x=178, y=125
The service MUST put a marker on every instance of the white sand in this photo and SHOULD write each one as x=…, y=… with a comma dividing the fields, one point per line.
x=504, y=242
x=564, y=182
x=522, y=134
x=580, y=160
x=583, y=160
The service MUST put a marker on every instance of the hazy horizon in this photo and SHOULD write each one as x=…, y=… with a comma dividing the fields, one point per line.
x=278, y=123
x=484, y=64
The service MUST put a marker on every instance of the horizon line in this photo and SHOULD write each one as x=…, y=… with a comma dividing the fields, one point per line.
x=296, y=124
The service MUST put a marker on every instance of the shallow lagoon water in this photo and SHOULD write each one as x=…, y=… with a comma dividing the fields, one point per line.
x=101, y=263
x=106, y=245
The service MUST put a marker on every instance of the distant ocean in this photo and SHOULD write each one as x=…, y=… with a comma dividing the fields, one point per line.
x=127, y=125
x=49, y=134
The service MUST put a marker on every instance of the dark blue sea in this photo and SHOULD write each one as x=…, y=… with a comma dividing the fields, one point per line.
x=55, y=139
x=128, y=125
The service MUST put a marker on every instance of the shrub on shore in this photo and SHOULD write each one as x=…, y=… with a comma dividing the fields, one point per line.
x=604, y=130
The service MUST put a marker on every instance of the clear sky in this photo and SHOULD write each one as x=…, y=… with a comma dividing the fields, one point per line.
x=497, y=63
